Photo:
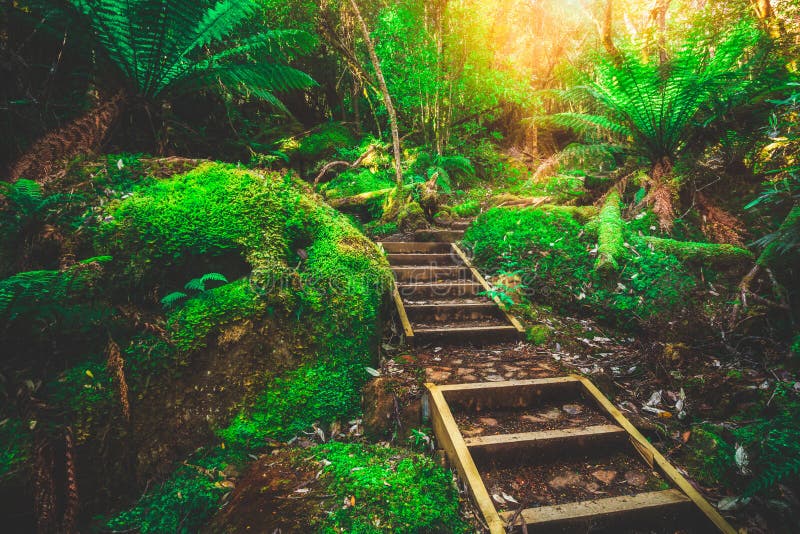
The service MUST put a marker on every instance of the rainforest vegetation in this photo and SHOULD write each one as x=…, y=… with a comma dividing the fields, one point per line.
x=192, y=300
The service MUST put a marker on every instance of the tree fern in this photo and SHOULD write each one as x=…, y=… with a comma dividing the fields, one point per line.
x=653, y=109
x=173, y=46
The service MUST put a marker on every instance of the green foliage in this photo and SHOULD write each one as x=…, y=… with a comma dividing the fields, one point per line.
x=198, y=317
x=393, y=491
x=158, y=46
x=49, y=300
x=650, y=110
x=15, y=446
x=26, y=207
x=183, y=503
x=197, y=285
x=324, y=141
x=556, y=266
x=610, y=242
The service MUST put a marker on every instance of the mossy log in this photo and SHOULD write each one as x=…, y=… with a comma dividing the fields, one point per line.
x=358, y=200
x=582, y=214
x=610, y=241
x=711, y=254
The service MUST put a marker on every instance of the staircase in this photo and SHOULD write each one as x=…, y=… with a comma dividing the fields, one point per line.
x=552, y=454
x=442, y=299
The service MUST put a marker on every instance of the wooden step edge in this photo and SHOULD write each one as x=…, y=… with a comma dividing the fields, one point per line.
x=511, y=319
x=652, y=456
x=650, y=503
x=467, y=330
x=401, y=312
x=533, y=382
x=449, y=438
x=443, y=284
x=468, y=306
x=545, y=438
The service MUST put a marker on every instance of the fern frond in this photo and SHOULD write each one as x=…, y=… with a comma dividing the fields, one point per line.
x=216, y=277
x=173, y=299
x=195, y=284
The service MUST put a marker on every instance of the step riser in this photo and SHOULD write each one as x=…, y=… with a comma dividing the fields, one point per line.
x=433, y=274
x=478, y=338
x=440, y=291
x=416, y=248
x=547, y=450
x=443, y=260
x=506, y=397
x=453, y=314
x=635, y=520
x=450, y=236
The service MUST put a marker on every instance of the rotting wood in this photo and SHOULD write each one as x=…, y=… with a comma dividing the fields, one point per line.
x=664, y=466
x=449, y=438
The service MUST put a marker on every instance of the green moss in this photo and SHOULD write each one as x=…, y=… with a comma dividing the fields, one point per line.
x=322, y=142
x=710, y=254
x=411, y=217
x=538, y=334
x=211, y=310
x=547, y=247
x=610, y=244
x=393, y=491
x=355, y=182
x=709, y=457
x=582, y=214
x=468, y=208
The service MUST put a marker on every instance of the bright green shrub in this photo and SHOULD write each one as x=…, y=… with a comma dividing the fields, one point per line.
x=406, y=491
x=468, y=208
x=355, y=182
x=557, y=267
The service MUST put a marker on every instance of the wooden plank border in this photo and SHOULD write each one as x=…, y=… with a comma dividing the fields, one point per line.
x=651, y=455
x=513, y=320
x=450, y=439
x=401, y=311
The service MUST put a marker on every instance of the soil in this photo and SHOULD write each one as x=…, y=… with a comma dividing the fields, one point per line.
x=277, y=494
x=550, y=416
x=581, y=479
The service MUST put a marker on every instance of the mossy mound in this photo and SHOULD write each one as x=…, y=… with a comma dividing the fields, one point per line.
x=555, y=258
x=296, y=323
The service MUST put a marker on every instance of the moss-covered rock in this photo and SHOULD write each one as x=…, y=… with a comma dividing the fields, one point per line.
x=411, y=218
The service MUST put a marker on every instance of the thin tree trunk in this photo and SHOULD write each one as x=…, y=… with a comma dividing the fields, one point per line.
x=607, y=32
x=387, y=99
x=661, y=19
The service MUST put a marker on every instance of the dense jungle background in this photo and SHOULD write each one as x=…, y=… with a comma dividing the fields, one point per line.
x=192, y=302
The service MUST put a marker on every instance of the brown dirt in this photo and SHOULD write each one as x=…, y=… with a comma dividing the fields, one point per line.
x=564, y=482
x=550, y=416
x=272, y=497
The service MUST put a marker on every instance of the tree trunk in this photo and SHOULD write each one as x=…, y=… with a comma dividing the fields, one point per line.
x=387, y=99
x=81, y=136
x=661, y=195
x=661, y=20
x=607, y=32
